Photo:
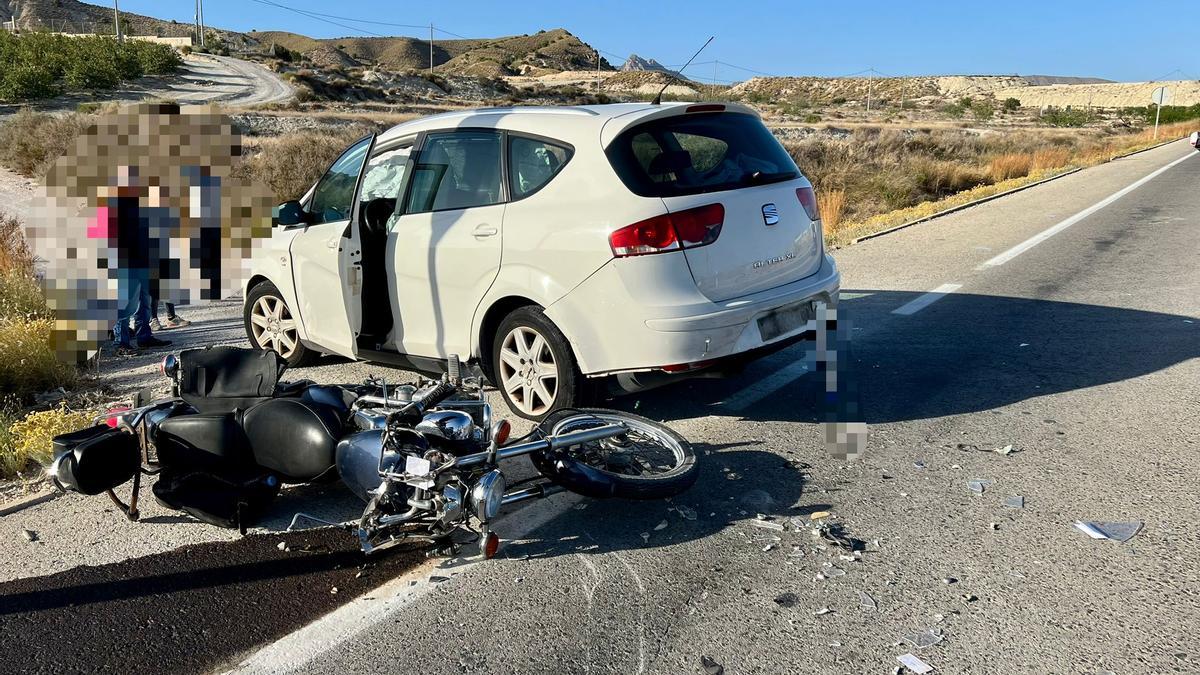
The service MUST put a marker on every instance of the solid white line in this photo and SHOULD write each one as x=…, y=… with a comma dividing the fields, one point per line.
x=1046, y=234
x=765, y=387
x=292, y=652
x=926, y=299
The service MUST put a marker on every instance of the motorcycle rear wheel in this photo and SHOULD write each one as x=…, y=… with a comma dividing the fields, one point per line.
x=650, y=462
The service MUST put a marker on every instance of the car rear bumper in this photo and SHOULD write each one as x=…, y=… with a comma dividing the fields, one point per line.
x=615, y=329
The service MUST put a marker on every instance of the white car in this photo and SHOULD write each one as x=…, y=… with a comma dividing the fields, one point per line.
x=559, y=247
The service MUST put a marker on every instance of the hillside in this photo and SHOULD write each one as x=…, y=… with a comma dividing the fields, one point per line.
x=72, y=16
x=538, y=54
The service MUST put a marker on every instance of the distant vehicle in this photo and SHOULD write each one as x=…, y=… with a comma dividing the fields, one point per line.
x=627, y=245
x=1194, y=139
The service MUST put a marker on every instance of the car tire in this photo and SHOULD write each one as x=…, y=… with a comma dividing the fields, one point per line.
x=270, y=324
x=532, y=361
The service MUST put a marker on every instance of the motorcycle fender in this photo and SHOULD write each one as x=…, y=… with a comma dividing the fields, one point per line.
x=573, y=475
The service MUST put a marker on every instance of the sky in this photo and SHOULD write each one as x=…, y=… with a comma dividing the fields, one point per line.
x=1129, y=41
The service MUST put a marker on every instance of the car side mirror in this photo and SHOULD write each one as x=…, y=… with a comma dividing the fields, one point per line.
x=290, y=214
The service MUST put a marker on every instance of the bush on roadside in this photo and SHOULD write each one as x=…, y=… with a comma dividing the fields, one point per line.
x=1012, y=104
x=1066, y=117
x=31, y=141
x=34, y=65
x=27, y=442
x=290, y=164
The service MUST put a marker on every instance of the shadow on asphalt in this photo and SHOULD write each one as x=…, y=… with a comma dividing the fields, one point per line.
x=735, y=486
x=965, y=353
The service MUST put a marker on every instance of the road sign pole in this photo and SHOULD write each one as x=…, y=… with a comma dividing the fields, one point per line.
x=1157, y=112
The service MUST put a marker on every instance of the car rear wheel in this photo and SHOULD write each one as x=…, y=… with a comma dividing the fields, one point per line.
x=271, y=325
x=534, y=366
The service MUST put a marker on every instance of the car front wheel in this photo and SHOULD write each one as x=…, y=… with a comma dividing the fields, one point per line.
x=271, y=325
x=535, y=369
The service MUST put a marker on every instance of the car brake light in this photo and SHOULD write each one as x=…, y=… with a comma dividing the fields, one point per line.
x=669, y=232
x=808, y=199
x=705, y=107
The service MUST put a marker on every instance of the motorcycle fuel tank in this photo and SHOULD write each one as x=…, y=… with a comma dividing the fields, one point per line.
x=358, y=458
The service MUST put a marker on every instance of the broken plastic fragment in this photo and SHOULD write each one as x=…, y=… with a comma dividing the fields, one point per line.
x=914, y=664
x=1016, y=502
x=823, y=611
x=835, y=572
x=1006, y=450
x=978, y=485
x=711, y=667
x=30, y=535
x=925, y=638
x=768, y=547
x=867, y=602
x=646, y=537
x=767, y=524
x=817, y=515
x=686, y=512
x=919, y=464
x=1121, y=532
x=660, y=526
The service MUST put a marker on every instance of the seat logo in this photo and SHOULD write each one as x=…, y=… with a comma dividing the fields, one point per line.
x=770, y=214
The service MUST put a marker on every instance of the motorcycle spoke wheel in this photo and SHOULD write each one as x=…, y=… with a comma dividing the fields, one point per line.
x=643, y=452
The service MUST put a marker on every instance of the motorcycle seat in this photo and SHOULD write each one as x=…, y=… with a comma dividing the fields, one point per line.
x=293, y=437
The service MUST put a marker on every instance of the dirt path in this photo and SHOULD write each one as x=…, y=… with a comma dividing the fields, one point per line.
x=16, y=194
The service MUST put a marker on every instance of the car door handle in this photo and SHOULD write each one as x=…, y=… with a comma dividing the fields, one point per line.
x=485, y=231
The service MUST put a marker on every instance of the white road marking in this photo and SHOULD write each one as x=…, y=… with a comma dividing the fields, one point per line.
x=926, y=299
x=292, y=652
x=765, y=387
x=1046, y=234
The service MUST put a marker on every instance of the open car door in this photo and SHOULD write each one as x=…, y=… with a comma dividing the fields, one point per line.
x=327, y=257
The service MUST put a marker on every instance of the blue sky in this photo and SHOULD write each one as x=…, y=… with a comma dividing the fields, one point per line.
x=1097, y=38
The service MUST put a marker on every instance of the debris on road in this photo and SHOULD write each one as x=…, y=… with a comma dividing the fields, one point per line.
x=919, y=464
x=966, y=447
x=832, y=571
x=994, y=526
x=978, y=485
x=1121, y=532
x=333, y=591
x=818, y=515
x=925, y=638
x=760, y=521
x=768, y=547
x=1015, y=501
x=711, y=667
x=788, y=600
x=760, y=500
x=865, y=601
x=949, y=580
x=282, y=546
x=1006, y=450
x=646, y=537
x=836, y=535
x=968, y=597
x=437, y=579
x=685, y=512
x=914, y=664
x=661, y=526
x=30, y=535
x=823, y=611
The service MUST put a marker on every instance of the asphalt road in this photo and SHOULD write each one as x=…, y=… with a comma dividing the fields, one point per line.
x=1077, y=349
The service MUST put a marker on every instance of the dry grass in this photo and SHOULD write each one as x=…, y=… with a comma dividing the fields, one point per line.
x=30, y=142
x=830, y=205
x=290, y=164
x=26, y=443
x=1051, y=158
x=1014, y=165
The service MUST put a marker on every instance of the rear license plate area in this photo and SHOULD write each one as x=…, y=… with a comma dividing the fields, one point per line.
x=785, y=319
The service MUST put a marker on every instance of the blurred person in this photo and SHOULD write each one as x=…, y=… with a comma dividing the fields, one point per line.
x=120, y=218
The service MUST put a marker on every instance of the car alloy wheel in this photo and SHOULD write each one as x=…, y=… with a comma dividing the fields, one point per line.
x=528, y=371
x=273, y=326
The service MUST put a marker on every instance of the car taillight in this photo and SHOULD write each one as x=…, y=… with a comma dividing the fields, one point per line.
x=808, y=199
x=669, y=232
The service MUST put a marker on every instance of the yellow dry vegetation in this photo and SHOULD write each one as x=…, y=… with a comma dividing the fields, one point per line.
x=26, y=442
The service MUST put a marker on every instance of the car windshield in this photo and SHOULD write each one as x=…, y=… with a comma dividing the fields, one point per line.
x=698, y=153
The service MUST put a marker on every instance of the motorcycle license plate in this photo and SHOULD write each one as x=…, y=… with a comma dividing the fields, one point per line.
x=785, y=319
x=418, y=470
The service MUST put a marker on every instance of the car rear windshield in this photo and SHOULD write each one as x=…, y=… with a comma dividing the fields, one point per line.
x=699, y=152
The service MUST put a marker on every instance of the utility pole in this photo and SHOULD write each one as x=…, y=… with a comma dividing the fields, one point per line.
x=117, y=20
x=203, y=28
x=716, y=63
x=903, y=92
x=870, y=81
x=431, y=49
x=597, y=72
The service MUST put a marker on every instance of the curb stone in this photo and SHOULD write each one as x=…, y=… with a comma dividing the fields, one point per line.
x=27, y=501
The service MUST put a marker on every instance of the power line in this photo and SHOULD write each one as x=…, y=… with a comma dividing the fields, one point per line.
x=312, y=15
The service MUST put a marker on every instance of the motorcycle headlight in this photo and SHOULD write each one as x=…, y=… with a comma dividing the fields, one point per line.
x=487, y=495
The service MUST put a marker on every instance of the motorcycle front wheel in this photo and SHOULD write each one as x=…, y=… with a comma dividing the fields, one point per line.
x=650, y=461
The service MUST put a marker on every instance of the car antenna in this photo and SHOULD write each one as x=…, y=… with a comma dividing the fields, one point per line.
x=658, y=97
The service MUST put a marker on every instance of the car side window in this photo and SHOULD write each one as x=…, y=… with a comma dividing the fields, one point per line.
x=456, y=170
x=383, y=183
x=334, y=194
x=532, y=163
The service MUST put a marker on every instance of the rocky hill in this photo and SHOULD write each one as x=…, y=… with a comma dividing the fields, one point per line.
x=538, y=54
x=636, y=63
x=72, y=16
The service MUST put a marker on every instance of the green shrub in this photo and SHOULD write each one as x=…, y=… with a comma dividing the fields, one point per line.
x=1066, y=117
x=30, y=141
x=1012, y=104
x=26, y=82
x=955, y=110
x=983, y=110
x=87, y=74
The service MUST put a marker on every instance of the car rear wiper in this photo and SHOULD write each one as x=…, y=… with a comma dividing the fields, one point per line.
x=760, y=177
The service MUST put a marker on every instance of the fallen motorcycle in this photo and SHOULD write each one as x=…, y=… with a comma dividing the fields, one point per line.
x=425, y=458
